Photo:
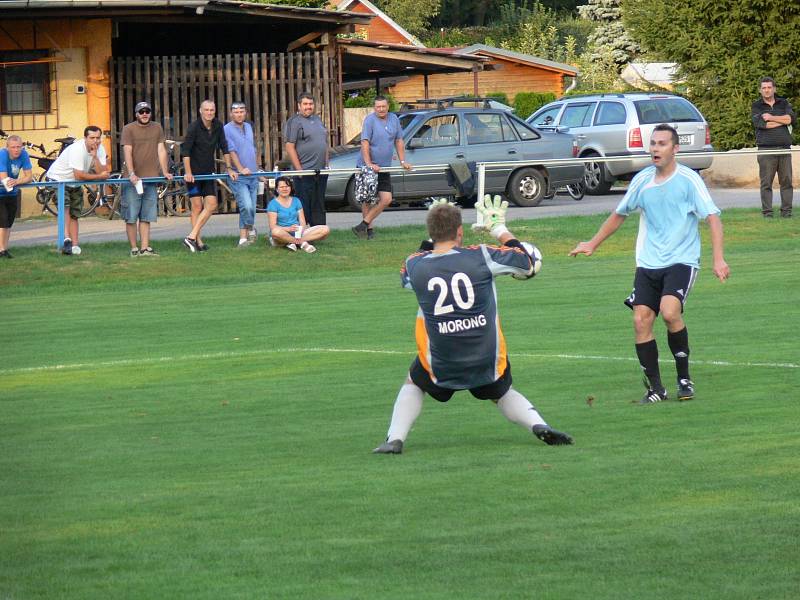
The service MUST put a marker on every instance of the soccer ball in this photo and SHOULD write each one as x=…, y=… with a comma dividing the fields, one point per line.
x=76, y=250
x=536, y=257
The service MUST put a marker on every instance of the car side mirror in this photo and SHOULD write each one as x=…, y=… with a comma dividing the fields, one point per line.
x=562, y=129
x=416, y=143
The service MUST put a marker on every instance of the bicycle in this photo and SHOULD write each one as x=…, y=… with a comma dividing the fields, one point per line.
x=172, y=195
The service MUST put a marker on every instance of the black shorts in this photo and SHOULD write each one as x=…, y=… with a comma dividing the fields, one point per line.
x=8, y=209
x=207, y=187
x=490, y=391
x=650, y=285
x=384, y=182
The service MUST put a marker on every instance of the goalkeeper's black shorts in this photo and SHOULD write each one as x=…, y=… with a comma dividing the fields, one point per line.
x=490, y=391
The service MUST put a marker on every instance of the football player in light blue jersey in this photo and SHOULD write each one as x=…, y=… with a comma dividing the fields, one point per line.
x=672, y=200
x=460, y=345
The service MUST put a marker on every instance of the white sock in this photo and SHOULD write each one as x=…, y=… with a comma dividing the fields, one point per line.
x=406, y=410
x=516, y=408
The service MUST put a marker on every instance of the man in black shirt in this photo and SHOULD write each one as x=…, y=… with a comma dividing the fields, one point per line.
x=772, y=116
x=203, y=138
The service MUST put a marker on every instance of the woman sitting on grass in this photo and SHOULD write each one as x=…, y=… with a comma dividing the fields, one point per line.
x=287, y=222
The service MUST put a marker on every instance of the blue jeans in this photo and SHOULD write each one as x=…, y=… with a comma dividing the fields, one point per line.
x=134, y=207
x=245, y=190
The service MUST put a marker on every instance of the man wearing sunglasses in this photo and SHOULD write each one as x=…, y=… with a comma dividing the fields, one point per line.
x=145, y=156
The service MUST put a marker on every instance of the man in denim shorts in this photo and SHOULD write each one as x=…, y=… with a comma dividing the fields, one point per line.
x=672, y=199
x=145, y=156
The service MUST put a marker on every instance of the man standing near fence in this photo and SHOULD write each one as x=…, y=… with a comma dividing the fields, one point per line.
x=15, y=169
x=772, y=117
x=75, y=164
x=203, y=138
x=307, y=148
x=381, y=137
x=242, y=148
x=145, y=156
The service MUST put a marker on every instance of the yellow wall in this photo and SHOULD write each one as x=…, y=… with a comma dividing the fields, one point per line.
x=86, y=45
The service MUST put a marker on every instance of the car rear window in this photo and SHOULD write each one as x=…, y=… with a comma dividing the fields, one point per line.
x=524, y=131
x=666, y=110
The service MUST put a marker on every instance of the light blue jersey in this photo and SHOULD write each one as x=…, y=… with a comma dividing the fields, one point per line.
x=670, y=212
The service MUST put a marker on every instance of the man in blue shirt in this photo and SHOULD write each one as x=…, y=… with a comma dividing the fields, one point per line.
x=381, y=136
x=15, y=169
x=672, y=199
x=242, y=148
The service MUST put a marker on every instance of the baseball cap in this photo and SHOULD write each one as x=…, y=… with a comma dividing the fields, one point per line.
x=142, y=105
x=238, y=104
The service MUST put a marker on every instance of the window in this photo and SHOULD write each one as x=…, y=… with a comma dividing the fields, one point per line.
x=547, y=117
x=666, y=110
x=486, y=129
x=24, y=88
x=439, y=131
x=578, y=115
x=610, y=113
x=523, y=130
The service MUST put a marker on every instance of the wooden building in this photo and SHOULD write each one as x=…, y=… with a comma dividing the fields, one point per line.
x=382, y=28
x=510, y=72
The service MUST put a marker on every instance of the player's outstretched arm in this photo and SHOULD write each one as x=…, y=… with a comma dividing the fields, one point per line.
x=611, y=224
x=721, y=268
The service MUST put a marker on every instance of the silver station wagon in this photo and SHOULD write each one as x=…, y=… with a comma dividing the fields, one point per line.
x=450, y=134
x=620, y=125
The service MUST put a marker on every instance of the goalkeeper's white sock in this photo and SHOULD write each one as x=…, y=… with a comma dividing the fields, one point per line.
x=406, y=410
x=516, y=408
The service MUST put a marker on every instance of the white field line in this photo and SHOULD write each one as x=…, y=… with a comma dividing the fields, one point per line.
x=236, y=354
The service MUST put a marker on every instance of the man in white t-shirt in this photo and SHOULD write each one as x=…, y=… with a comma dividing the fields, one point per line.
x=75, y=164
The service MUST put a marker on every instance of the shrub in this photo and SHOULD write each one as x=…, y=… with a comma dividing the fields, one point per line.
x=525, y=103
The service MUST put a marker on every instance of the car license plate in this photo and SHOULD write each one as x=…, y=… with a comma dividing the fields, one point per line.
x=685, y=140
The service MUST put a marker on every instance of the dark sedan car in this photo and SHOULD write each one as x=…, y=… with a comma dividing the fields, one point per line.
x=444, y=136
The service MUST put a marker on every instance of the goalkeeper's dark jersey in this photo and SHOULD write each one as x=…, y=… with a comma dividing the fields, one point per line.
x=458, y=333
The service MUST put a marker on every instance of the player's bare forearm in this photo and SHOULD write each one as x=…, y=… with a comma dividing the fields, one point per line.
x=607, y=229
x=721, y=268
x=291, y=150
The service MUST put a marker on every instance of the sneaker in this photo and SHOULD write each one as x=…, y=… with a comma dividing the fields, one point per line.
x=134, y=252
x=393, y=447
x=652, y=396
x=308, y=247
x=190, y=244
x=370, y=234
x=5, y=254
x=252, y=234
x=550, y=436
x=202, y=247
x=67, y=248
x=148, y=252
x=292, y=247
x=361, y=230
x=685, y=389
x=244, y=242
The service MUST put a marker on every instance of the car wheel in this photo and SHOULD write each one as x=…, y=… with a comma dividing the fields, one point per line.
x=527, y=187
x=350, y=195
x=596, y=178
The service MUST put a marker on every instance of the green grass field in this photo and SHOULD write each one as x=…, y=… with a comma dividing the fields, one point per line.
x=201, y=426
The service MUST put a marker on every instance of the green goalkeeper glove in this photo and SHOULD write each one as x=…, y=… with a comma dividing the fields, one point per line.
x=493, y=212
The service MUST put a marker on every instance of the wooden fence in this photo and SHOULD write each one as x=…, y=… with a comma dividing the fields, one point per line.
x=268, y=83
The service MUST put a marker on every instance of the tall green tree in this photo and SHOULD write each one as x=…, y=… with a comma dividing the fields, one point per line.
x=414, y=15
x=609, y=36
x=723, y=48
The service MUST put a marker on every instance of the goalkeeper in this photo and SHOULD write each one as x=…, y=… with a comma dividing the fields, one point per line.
x=460, y=345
